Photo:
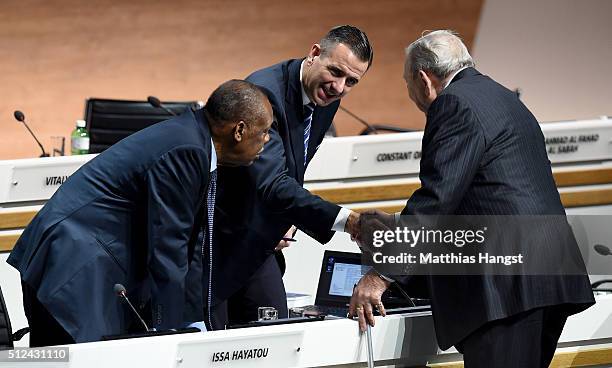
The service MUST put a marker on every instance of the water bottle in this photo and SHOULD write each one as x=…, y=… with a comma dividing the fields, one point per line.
x=79, y=139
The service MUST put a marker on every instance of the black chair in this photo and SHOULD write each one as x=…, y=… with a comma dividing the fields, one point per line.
x=7, y=337
x=109, y=121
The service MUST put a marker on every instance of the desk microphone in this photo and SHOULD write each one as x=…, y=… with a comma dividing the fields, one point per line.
x=155, y=102
x=369, y=128
x=121, y=292
x=602, y=249
x=19, y=116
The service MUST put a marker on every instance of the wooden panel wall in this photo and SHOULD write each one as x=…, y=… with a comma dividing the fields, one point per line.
x=55, y=54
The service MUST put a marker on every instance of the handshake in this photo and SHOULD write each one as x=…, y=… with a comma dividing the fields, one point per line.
x=362, y=225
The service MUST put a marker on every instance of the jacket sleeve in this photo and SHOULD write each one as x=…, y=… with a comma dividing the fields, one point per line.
x=283, y=194
x=174, y=186
x=453, y=146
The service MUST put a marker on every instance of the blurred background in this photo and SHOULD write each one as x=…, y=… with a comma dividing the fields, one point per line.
x=55, y=54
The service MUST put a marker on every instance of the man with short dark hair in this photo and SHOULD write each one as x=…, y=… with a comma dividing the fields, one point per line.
x=132, y=216
x=483, y=154
x=305, y=95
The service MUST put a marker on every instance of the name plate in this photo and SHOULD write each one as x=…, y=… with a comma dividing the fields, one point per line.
x=566, y=142
x=270, y=350
x=400, y=154
x=36, y=179
x=386, y=158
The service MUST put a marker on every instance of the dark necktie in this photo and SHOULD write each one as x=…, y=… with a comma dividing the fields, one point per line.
x=308, y=110
x=210, y=202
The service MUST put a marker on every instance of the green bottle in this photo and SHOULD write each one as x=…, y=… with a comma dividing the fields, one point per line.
x=79, y=139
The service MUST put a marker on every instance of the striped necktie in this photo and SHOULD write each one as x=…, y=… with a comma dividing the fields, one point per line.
x=210, y=204
x=308, y=110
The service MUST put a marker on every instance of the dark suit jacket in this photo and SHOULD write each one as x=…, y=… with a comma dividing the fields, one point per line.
x=256, y=205
x=484, y=154
x=6, y=340
x=131, y=215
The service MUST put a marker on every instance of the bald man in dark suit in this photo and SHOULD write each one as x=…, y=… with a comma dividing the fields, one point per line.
x=132, y=216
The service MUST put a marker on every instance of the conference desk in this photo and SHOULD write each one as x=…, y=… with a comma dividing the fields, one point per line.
x=405, y=340
x=359, y=173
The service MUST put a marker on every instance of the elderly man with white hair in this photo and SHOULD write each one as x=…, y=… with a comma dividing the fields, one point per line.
x=483, y=154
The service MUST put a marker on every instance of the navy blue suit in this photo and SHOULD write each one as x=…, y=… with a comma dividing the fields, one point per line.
x=131, y=216
x=484, y=154
x=252, y=221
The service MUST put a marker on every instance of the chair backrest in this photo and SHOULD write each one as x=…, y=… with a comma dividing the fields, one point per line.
x=6, y=337
x=109, y=121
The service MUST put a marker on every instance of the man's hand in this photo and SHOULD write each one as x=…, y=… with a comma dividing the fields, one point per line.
x=382, y=218
x=352, y=226
x=366, y=297
x=371, y=221
x=283, y=243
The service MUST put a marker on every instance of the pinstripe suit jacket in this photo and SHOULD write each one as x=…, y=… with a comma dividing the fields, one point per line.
x=484, y=154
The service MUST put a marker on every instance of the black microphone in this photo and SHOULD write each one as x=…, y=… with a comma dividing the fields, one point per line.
x=19, y=116
x=602, y=249
x=369, y=128
x=120, y=291
x=155, y=102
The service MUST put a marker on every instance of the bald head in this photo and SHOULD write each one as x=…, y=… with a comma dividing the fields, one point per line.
x=240, y=116
x=440, y=53
x=237, y=100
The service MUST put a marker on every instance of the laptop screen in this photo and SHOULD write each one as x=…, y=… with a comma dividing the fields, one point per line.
x=343, y=277
x=339, y=272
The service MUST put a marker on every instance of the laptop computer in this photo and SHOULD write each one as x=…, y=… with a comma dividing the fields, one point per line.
x=340, y=271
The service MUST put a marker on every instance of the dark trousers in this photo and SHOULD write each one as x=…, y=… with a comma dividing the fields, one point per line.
x=44, y=329
x=526, y=340
x=264, y=289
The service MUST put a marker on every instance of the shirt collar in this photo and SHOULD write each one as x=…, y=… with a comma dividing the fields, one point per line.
x=305, y=99
x=450, y=79
x=213, y=156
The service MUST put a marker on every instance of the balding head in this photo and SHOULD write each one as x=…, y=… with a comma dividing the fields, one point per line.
x=239, y=115
x=439, y=52
x=236, y=100
x=430, y=62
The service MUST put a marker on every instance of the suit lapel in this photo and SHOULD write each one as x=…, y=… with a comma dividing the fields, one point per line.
x=295, y=121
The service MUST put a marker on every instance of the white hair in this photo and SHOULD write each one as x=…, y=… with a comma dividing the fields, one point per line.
x=440, y=52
